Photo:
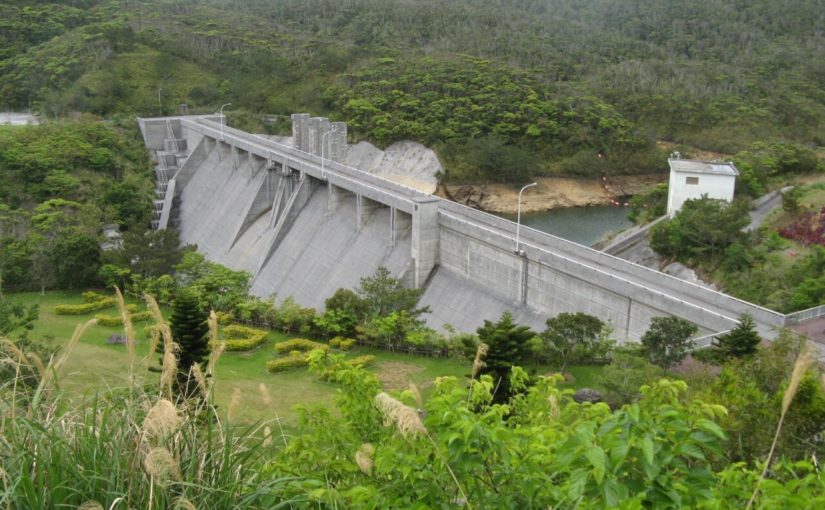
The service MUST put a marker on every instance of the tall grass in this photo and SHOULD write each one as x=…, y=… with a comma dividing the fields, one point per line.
x=132, y=447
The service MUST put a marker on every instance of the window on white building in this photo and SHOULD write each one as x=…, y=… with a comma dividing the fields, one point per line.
x=691, y=180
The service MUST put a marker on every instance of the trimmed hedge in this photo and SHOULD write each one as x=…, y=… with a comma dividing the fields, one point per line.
x=116, y=320
x=345, y=344
x=361, y=361
x=100, y=304
x=93, y=297
x=242, y=338
x=298, y=344
x=294, y=360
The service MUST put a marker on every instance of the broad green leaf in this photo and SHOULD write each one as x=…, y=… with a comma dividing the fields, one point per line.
x=613, y=492
x=646, y=445
x=577, y=483
x=598, y=459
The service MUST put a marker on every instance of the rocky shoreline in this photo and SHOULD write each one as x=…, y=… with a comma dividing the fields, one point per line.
x=551, y=193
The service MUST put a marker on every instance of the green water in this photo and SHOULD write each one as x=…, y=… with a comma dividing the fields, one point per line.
x=583, y=225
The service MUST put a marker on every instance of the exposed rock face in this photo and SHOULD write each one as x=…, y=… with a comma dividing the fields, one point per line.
x=588, y=395
x=408, y=163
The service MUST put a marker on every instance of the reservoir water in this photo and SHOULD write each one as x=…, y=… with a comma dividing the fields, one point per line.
x=583, y=225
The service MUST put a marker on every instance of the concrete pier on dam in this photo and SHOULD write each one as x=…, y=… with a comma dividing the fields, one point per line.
x=304, y=226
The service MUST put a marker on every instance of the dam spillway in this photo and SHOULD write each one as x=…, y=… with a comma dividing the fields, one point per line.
x=304, y=226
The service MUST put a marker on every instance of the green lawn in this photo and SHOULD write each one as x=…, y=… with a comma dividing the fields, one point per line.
x=93, y=364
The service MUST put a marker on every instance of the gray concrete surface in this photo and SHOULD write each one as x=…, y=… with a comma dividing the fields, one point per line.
x=350, y=222
x=764, y=206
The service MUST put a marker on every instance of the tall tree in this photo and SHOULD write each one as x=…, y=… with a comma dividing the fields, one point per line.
x=668, y=340
x=191, y=332
x=507, y=342
x=568, y=332
x=383, y=294
x=741, y=340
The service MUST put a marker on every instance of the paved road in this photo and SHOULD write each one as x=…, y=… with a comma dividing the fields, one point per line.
x=765, y=205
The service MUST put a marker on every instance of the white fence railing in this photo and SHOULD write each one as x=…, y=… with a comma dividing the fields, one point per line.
x=811, y=313
x=703, y=342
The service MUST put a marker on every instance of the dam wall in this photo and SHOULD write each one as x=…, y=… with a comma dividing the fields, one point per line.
x=304, y=226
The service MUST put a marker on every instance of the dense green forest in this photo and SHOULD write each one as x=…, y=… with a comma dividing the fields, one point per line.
x=61, y=183
x=557, y=82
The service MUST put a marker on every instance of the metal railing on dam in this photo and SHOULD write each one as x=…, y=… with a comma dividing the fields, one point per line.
x=467, y=260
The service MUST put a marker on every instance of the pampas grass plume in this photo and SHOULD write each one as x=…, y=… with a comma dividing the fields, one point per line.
x=803, y=362
x=90, y=505
x=478, y=362
x=214, y=356
x=200, y=379
x=182, y=503
x=234, y=402
x=160, y=465
x=169, y=371
x=128, y=328
x=213, y=328
x=416, y=395
x=405, y=419
x=363, y=458
x=162, y=420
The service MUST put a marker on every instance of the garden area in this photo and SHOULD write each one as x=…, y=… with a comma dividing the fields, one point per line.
x=94, y=365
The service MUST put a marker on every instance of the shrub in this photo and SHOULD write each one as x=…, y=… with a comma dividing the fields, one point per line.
x=361, y=361
x=294, y=360
x=808, y=230
x=224, y=318
x=116, y=320
x=242, y=338
x=298, y=344
x=668, y=340
x=622, y=379
x=92, y=297
x=82, y=309
x=741, y=340
x=339, y=342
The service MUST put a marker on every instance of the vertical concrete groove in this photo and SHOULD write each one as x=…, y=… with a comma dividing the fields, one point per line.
x=524, y=276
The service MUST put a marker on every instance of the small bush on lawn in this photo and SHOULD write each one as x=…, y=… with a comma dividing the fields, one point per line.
x=242, y=338
x=339, y=342
x=116, y=320
x=294, y=360
x=298, y=344
x=361, y=361
x=82, y=309
x=92, y=297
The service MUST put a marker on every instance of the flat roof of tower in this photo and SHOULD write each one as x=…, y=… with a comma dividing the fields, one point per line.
x=702, y=167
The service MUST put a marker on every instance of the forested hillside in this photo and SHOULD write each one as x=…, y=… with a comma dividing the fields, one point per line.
x=61, y=182
x=557, y=82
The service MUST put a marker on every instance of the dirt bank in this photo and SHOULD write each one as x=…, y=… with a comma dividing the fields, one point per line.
x=551, y=193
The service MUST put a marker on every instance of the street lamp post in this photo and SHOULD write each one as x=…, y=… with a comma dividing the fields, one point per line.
x=221, y=114
x=518, y=216
x=323, y=146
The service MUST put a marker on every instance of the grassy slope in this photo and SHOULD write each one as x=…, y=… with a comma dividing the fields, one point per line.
x=93, y=364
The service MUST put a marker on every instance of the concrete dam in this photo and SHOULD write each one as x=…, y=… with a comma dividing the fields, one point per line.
x=305, y=225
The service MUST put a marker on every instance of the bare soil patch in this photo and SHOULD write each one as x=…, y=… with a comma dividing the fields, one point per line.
x=551, y=193
x=396, y=375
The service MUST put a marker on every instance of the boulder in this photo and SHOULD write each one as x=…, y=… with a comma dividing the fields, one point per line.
x=116, y=339
x=588, y=395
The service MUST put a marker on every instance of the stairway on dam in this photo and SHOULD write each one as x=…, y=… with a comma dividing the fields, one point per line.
x=304, y=226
